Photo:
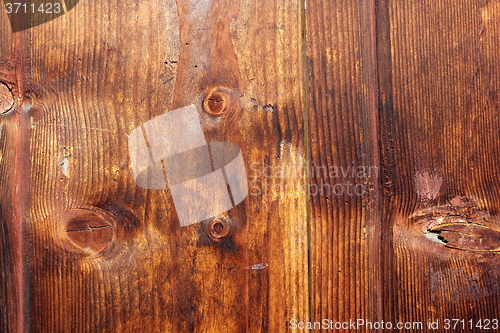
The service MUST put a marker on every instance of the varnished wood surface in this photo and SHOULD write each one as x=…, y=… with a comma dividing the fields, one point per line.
x=440, y=125
x=345, y=224
x=109, y=67
x=436, y=132
x=404, y=92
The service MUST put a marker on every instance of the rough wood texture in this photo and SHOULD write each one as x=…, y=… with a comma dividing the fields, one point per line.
x=9, y=292
x=15, y=180
x=432, y=254
x=369, y=133
x=440, y=124
x=101, y=254
x=345, y=215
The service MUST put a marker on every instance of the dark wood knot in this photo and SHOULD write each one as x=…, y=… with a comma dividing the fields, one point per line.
x=460, y=225
x=90, y=231
x=6, y=98
x=218, y=101
x=218, y=229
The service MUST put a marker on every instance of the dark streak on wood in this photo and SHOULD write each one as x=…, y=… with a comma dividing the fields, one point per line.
x=22, y=199
x=378, y=248
x=8, y=288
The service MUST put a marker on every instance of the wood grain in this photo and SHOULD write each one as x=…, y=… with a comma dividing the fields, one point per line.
x=345, y=214
x=94, y=89
x=368, y=130
x=209, y=291
x=103, y=255
x=434, y=74
x=10, y=314
x=15, y=168
x=440, y=122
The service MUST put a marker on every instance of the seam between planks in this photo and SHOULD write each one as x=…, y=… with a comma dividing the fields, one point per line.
x=375, y=128
x=305, y=112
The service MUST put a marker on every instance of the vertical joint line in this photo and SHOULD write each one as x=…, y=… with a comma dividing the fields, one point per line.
x=228, y=187
x=375, y=118
x=223, y=174
x=305, y=114
x=148, y=144
x=165, y=176
x=212, y=163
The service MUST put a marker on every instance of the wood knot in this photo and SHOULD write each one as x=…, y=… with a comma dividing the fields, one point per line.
x=468, y=235
x=6, y=98
x=218, y=229
x=218, y=101
x=460, y=225
x=89, y=231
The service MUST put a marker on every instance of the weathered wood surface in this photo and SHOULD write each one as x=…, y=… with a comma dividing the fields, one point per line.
x=440, y=125
x=432, y=132
x=345, y=214
x=100, y=254
x=403, y=93
x=9, y=253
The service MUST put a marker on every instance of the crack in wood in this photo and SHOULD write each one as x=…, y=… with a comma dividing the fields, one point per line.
x=89, y=228
x=463, y=226
x=468, y=236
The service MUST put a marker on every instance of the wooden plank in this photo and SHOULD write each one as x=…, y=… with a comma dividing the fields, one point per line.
x=8, y=287
x=260, y=251
x=14, y=163
x=104, y=255
x=210, y=262
x=345, y=218
x=105, y=71
x=436, y=70
x=269, y=52
x=439, y=88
